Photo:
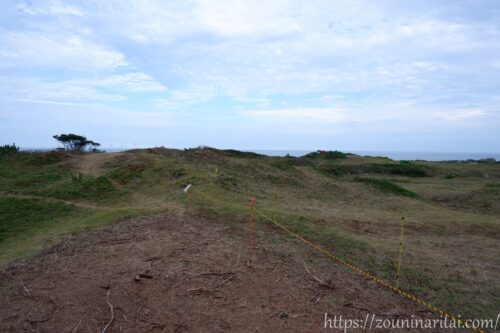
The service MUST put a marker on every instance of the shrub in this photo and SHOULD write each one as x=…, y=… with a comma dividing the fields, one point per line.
x=386, y=186
x=400, y=169
x=8, y=149
x=287, y=163
x=326, y=155
x=404, y=168
x=240, y=154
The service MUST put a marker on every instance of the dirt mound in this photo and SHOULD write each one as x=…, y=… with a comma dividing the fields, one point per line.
x=91, y=163
x=180, y=274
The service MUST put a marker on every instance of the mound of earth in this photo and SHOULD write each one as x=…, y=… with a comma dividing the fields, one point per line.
x=172, y=273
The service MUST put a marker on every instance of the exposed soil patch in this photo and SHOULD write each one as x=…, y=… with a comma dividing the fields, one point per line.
x=179, y=274
x=92, y=163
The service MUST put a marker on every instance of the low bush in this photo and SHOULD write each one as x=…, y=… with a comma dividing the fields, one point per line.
x=408, y=169
x=8, y=149
x=240, y=154
x=287, y=163
x=386, y=186
x=326, y=155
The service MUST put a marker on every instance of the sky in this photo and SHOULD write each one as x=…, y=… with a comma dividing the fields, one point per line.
x=283, y=74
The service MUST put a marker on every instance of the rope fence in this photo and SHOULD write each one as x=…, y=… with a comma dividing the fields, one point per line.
x=396, y=289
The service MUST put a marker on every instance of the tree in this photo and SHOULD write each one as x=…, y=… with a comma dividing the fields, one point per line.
x=76, y=143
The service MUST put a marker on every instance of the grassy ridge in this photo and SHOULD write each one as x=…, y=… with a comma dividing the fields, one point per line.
x=325, y=196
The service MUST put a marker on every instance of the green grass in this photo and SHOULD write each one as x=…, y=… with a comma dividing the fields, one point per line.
x=24, y=172
x=21, y=215
x=289, y=163
x=28, y=225
x=90, y=188
x=386, y=186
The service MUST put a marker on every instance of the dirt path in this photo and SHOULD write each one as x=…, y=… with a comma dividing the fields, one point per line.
x=196, y=280
x=92, y=163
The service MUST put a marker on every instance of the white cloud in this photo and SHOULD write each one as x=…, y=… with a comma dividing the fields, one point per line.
x=390, y=116
x=53, y=8
x=455, y=115
x=113, y=87
x=240, y=18
x=33, y=49
x=128, y=82
x=299, y=115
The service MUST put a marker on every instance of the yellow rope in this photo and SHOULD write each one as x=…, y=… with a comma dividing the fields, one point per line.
x=352, y=266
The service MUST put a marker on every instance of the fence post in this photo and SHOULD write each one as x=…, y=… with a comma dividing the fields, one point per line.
x=274, y=205
x=400, y=250
x=252, y=204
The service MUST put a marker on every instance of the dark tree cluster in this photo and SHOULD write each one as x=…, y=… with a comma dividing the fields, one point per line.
x=76, y=143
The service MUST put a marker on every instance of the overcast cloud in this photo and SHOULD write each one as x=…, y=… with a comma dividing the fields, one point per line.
x=352, y=75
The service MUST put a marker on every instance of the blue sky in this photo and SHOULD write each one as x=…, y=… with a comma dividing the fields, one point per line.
x=283, y=74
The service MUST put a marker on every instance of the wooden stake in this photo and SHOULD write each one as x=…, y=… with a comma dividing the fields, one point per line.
x=252, y=204
x=400, y=250
x=190, y=195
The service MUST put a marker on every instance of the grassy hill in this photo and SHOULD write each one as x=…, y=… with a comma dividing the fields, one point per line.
x=350, y=204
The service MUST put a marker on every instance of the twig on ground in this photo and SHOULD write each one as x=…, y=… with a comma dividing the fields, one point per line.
x=24, y=287
x=200, y=290
x=155, y=325
x=372, y=312
x=226, y=280
x=213, y=273
x=77, y=325
x=321, y=282
x=140, y=276
x=67, y=241
x=37, y=320
x=20, y=283
x=139, y=310
x=238, y=259
x=317, y=299
x=281, y=314
x=111, y=310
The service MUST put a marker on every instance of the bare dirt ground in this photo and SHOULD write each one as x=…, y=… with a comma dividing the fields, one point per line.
x=195, y=279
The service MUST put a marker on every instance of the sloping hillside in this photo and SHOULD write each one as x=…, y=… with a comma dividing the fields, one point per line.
x=349, y=204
